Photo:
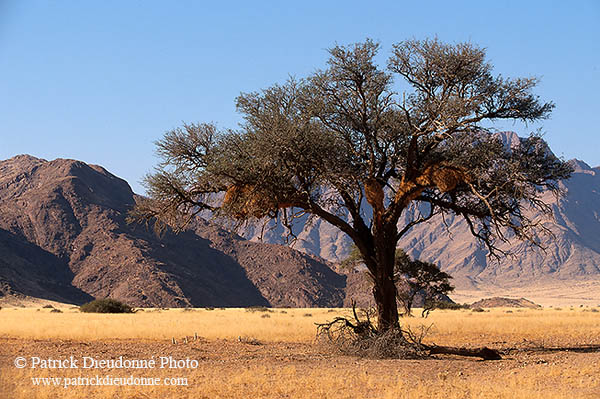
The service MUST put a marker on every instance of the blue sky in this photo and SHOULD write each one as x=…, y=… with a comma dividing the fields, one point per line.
x=100, y=81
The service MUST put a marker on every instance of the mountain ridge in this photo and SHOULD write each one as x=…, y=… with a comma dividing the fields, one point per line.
x=64, y=221
x=72, y=218
x=573, y=254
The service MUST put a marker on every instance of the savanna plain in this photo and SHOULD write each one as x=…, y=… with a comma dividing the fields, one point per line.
x=272, y=353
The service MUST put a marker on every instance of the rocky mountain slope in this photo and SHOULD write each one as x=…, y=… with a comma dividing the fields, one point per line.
x=63, y=236
x=572, y=254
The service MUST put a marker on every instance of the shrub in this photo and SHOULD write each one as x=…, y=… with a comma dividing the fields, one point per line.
x=258, y=309
x=478, y=310
x=249, y=340
x=105, y=305
x=449, y=305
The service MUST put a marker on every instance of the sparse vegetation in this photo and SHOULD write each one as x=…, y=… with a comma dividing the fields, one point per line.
x=249, y=340
x=450, y=327
x=288, y=361
x=449, y=305
x=258, y=309
x=106, y=305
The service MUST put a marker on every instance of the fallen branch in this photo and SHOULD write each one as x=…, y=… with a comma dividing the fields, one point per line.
x=484, y=353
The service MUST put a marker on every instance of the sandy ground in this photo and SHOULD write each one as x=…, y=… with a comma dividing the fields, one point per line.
x=228, y=368
x=572, y=293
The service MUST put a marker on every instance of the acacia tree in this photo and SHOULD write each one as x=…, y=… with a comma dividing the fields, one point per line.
x=412, y=277
x=343, y=138
x=419, y=278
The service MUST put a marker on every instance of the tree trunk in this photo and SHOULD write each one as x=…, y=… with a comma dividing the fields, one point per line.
x=384, y=292
x=384, y=288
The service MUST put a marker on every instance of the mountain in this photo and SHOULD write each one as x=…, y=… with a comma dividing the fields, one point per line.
x=572, y=254
x=64, y=236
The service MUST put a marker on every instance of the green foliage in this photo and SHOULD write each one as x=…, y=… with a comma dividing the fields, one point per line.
x=412, y=277
x=106, y=305
x=417, y=277
x=353, y=259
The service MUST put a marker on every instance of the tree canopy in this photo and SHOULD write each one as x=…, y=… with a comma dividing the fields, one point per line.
x=343, y=137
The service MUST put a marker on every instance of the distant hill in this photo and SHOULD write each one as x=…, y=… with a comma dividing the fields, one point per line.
x=498, y=302
x=63, y=237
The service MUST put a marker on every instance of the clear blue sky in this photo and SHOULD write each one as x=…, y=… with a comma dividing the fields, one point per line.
x=100, y=81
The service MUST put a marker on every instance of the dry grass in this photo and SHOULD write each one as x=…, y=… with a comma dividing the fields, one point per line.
x=553, y=382
x=568, y=326
x=288, y=365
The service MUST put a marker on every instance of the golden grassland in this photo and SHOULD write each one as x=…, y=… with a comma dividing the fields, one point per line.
x=289, y=364
x=558, y=326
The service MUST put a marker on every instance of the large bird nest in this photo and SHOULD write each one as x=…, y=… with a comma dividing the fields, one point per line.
x=243, y=201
